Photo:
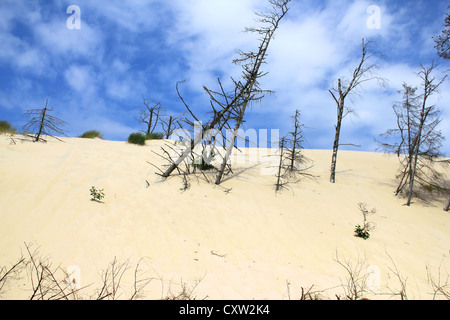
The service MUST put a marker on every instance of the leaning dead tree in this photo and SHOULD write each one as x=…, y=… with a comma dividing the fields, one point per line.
x=361, y=74
x=251, y=64
x=418, y=138
x=228, y=108
x=42, y=123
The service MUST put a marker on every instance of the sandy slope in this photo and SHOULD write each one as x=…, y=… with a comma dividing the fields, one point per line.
x=250, y=243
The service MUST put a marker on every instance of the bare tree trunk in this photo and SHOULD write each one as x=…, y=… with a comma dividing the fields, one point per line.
x=413, y=164
x=295, y=142
x=149, y=124
x=169, y=127
x=344, y=89
x=340, y=115
x=231, y=142
x=279, y=184
x=405, y=175
x=41, y=126
x=428, y=89
x=448, y=205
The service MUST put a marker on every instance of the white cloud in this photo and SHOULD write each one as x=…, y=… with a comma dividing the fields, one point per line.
x=301, y=55
x=57, y=39
x=120, y=66
x=132, y=15
x=209, y=33
x=21, y=55
x=82, y=79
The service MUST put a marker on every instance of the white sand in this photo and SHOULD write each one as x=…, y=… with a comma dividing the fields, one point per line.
x=247, y=244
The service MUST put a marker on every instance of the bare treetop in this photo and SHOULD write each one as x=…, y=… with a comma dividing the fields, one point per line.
x=150, y=116
x=443, y=40
x=43, y=123
x=362, y=73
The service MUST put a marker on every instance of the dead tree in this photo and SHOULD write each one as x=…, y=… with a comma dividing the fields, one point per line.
x=231, y=106
x=343, y=90
x=292, y=163
x=43, y=123
x=418, y=148
x=251, y=63
x=285, y=174
x=150, y=116
x=443, y=40
x=170, y=125
x=295, y=139
x=406, y=129
x=282, y=171
x=12, y=273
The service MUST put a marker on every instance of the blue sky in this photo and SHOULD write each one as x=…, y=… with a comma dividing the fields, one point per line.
x=96, y=77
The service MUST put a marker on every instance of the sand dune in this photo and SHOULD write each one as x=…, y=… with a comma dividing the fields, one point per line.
x=249, y=243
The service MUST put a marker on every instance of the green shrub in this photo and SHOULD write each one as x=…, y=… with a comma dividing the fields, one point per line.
x=362, y=232
x=428, y=187
x=154, y=136
x=5, y=127
x=97, y=195
x=137, y=138
x=91, y=134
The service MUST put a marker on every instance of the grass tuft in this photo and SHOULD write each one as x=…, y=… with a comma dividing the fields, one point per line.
x=137, y=138
x=91, y=134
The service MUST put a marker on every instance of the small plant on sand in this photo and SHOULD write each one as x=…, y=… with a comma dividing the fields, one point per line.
x=137, y=138
x=363, y=231
x=97, y=195
x=92, y=134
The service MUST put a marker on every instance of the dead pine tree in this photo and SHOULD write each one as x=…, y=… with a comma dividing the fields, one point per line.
x=187, y=155
x=229, y=107
x=169, y=125
x=417, y=139
x=150, y=116
x=295, y=140
x=361, y=74
x=292, y=163
x=443, y=40
x=251, y=63
x=282, y=169
x=43, y=123
x=404, y=149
